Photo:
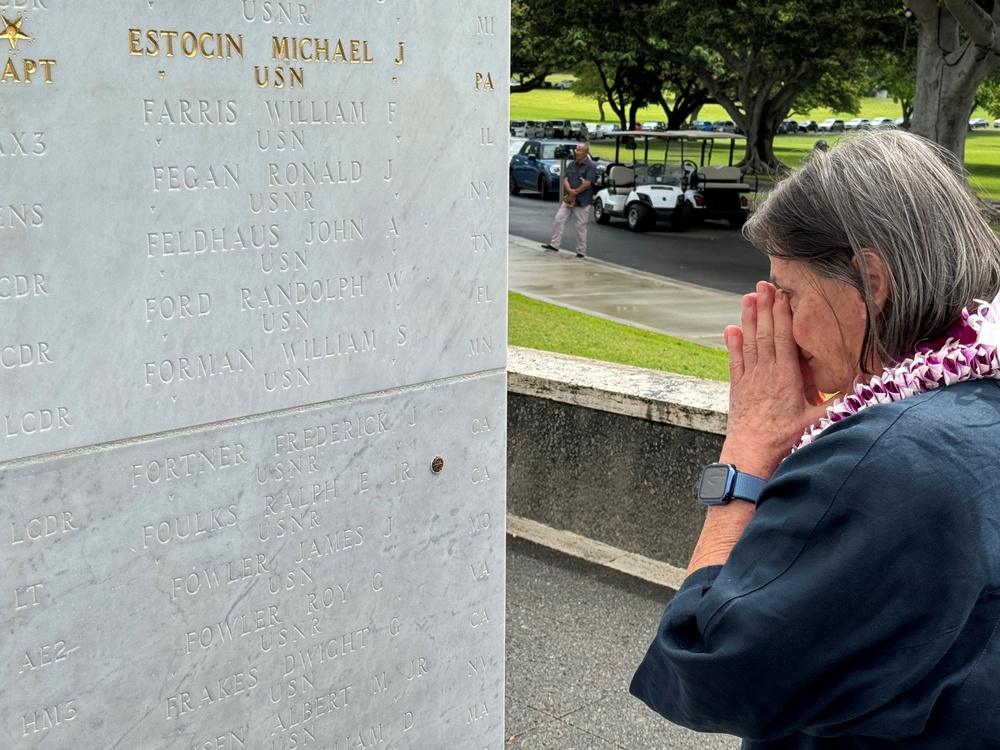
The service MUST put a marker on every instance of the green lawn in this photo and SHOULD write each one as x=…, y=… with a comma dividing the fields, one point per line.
x=982, y=147
x=539, y=325
x=548, y=104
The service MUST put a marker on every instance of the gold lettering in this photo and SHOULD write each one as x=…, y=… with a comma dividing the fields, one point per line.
x=232, y=44
x=170, y=35
x=154, y=44
x=210, y=44
x=9, y=72
x=201, y=45
x=279, y=48
x=188, y=36
x=48, y=69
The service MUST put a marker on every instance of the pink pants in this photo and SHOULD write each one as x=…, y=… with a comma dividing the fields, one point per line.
x=581, y=213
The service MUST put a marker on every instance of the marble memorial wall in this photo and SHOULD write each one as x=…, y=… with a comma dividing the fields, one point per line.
x=252, y=425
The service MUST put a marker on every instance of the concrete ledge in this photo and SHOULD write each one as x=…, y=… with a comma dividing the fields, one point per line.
x=611, y=453
x=701, y=405
x=599, y=553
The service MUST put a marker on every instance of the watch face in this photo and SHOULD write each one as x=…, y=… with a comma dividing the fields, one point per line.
x=714, y=483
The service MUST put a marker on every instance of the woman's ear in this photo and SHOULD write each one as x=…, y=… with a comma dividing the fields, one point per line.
x=870, y=264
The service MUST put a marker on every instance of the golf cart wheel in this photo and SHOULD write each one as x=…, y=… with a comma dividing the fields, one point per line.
x=543, y=187
x=681, y=218
x=514, y=189
x=600, y=215
x=637, y=217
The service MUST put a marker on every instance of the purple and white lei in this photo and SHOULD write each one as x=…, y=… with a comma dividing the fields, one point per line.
x=970, y=351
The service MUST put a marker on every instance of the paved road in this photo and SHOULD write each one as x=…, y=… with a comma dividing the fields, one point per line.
x=714, y=256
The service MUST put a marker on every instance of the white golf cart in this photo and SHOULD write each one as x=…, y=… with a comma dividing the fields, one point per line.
x=690, y=181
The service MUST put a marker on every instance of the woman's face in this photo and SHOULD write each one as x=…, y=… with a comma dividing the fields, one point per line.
x=828, y=324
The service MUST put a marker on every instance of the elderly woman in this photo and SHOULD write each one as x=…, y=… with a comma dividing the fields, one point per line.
x=849, y=594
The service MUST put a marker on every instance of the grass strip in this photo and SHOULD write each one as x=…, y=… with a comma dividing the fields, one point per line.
x=540, y=325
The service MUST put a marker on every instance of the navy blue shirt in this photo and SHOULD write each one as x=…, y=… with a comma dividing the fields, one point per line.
x=860, y=608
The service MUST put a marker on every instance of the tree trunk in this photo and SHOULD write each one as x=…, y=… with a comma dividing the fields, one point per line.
x=949, y=70
x=633, y=110
x=760, y=158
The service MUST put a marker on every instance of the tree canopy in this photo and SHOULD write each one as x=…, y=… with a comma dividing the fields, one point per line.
x=764, y=59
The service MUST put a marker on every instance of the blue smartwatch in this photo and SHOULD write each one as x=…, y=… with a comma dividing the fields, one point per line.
x=722, y=483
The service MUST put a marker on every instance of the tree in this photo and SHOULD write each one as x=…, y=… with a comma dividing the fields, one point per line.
x=599, y=34
x=631, y=82
x=688, y=94
x=771, y=53
x=588, y=85
x=534, y=53
x=896, y=72
x=957, y=48
x=988, y=96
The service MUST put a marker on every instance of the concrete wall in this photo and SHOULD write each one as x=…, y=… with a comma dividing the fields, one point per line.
x=611, y=452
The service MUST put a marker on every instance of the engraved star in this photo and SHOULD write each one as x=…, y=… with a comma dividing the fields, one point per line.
x=12, y=31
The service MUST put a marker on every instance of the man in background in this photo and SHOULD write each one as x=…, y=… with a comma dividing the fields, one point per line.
x=578, y=184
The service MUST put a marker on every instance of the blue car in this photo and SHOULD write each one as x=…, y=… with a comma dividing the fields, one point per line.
x=538, y=165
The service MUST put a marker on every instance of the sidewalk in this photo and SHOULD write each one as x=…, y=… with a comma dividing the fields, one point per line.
x=636, y=298
x=576, y=630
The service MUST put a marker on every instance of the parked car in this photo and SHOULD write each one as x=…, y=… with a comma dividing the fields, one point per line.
x=534, y=128
x=882, y=123
x=786, y=127
x=538, y=166
x=977, y=123
x=655, y=125
x=568, y=83
x=996, y=123
x=705, y=125
x=857, y=123
x=723, y=126
x=564, y=129
x=598, y=130
x=519, y=128
x=830, y=125
x=807, y=126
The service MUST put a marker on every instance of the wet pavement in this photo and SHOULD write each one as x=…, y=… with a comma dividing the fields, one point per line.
x=685, y=311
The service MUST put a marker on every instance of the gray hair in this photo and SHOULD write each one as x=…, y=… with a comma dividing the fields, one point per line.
x=902, y=198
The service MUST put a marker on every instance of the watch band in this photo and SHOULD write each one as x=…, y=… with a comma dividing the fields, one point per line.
x=747, y=487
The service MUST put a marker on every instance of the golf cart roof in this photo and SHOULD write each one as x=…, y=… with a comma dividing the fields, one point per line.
x=690, y=135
